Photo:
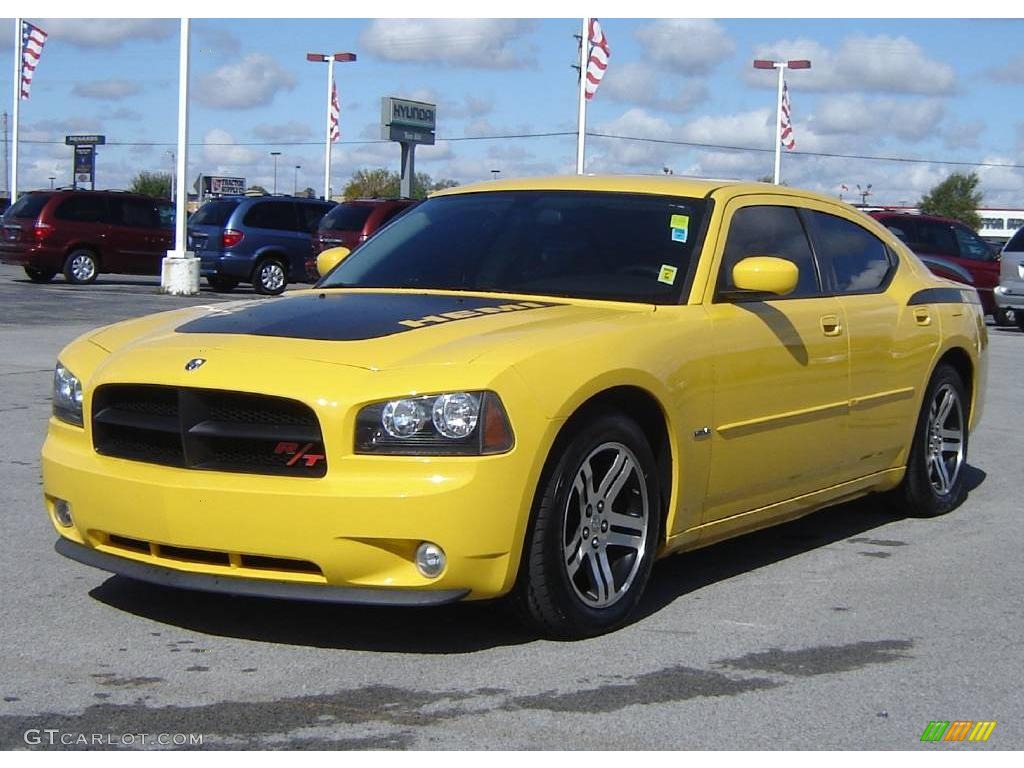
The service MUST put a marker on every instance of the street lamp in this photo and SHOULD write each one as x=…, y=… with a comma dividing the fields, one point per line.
x=275, y=155
x=330, y=58
x=295, y=184
x=495, y=172
x=781, y=66
x=52, y=179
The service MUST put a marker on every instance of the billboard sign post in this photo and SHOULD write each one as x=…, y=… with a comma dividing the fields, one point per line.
x=409, y=123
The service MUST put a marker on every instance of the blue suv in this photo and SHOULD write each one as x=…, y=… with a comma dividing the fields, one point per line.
x=264, y=240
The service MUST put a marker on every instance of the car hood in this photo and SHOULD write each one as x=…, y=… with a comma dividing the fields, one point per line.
x=374, y=330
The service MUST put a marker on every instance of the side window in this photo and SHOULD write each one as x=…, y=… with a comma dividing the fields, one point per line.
x=272, y=215
x=83, y=208
x=770, y=230
x=134, y=213
x=310, y=215
x=971, y=246
x=936, y=238
x=859, y=261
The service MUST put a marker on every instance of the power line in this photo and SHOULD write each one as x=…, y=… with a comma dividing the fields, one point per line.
x=552, y=134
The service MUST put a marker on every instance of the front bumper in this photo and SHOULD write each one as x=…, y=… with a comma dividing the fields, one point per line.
x=169, y=577
x=1010, y=296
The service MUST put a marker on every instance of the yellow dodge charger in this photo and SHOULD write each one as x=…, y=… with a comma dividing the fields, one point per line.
x=529, y=388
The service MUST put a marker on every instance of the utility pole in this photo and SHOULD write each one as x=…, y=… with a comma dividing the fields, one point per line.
x=330, y=58
x=582, y=113
x=7, y=167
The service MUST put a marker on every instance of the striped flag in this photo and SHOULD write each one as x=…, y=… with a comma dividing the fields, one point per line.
x=599, y=54
x=785, y=124
x=335, y=113
x=32, y=41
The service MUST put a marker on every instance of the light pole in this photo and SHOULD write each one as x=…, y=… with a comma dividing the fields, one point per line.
x=52, y=179
x=781, y=66
x=174, y=163
x=495, y=172
x=275, y=155
x=295, y=184
x=330, y=58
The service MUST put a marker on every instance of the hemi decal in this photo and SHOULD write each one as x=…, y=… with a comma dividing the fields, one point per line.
x=463, y=314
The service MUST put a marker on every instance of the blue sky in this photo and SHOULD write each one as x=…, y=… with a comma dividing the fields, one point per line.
x=930, y=89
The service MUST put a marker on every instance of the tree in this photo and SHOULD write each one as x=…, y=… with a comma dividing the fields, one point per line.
x=380, y=182
x=958, y=197
x=308, y=192
x=256, y=189
x=152, y=184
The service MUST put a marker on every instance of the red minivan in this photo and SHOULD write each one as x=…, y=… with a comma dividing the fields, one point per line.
x=950, y=249
x=82, y=233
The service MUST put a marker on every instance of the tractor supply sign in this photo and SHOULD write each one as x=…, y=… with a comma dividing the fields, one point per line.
x=217, y=186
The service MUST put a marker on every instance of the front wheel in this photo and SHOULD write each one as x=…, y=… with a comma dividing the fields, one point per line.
x=934, y=482
x=1005, y=316
x=269, y=277
x=591, y=545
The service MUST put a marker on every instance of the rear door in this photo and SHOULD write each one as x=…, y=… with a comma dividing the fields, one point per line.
x=137, y=242
x=83, y=219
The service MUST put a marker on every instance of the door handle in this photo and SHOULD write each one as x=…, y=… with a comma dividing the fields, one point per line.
x=831, y=326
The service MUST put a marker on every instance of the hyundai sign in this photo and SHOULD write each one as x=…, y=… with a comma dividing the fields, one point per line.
x=412, y=122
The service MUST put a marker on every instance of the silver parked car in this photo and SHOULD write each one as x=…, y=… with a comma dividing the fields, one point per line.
x=1009, y=294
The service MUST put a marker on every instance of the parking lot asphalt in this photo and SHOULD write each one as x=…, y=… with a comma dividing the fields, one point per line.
x=852, y=628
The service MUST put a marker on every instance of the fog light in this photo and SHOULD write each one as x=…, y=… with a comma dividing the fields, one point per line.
x=430, y=559
x=62, y=511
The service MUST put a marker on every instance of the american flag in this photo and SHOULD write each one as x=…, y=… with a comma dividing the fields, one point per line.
x=335, y=113
x=785, y=124
x=32, y=41
x=599, y=54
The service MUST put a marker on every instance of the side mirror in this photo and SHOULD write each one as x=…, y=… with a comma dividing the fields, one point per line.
x=329, y=259
x=765, y=274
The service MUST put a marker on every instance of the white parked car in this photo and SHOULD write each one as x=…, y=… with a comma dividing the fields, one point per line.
x=1009, y=294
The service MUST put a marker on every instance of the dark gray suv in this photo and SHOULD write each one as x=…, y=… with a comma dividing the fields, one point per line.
x=264, y=240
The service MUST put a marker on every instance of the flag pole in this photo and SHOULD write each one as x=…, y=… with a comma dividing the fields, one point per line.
x=584, y=56
x=781, y=67
x=327, y=150
x=16, y=90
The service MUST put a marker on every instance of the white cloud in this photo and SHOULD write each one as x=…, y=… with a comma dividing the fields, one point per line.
x=107, y=33
x=1011, y=72
x=862, y=64
x=906, y=119
x=637, y=82
x=744, y=129
x=251, y=82
x=114, y=89
x=476, y=43
x=224, y=156
x=692, y=46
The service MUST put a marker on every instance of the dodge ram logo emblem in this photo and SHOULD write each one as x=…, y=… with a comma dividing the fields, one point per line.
x=195, y=362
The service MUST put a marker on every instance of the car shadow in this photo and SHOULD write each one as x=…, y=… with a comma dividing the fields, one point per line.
x=470, y=627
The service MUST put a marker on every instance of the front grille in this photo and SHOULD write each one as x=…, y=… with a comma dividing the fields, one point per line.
x=208, y=429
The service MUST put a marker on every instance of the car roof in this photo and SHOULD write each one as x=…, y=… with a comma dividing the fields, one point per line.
x=915, y=216
x=662, y=184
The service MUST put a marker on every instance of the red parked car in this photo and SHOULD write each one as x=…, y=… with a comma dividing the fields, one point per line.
x=950, y=249
x=82, y=233
x=351, y=223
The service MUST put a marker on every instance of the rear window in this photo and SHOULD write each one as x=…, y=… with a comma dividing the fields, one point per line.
x=214, y=213
x=311, y=213
x=27, y=207
x=1016, y=242
x=347, y=217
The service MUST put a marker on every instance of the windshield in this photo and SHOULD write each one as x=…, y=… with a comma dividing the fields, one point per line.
x=597, y=245
x=214, y=213
x=346, y=217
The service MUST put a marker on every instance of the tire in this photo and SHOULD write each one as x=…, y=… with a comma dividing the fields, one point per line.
x=588, y=556
x=81, y=267
x=222, y=284
x=270, y=277
x=934, y=482
x=1019, y=317
x=1005, y=316
x=40, y=275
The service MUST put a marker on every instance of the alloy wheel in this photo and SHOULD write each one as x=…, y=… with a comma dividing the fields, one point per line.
x=945, y=456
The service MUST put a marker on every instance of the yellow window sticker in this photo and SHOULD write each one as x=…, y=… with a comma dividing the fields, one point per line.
x=667, y=274
x=680, y=227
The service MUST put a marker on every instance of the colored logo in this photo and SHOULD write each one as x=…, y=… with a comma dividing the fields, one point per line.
x=195, y=362
x=296, y=453
x=958, y=730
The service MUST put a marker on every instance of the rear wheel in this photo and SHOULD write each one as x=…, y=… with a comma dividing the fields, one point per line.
x=934, y=482
x=269, y=277
x=81, y=267
x=222, y=284
x=40, y=275
x=591, y=545
x=1005, y=316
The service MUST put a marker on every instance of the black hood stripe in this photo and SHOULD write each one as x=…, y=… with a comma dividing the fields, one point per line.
x=351, y=317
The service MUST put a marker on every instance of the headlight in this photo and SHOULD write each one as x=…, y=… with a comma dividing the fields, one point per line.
x=449, y=424
x=67, y=396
